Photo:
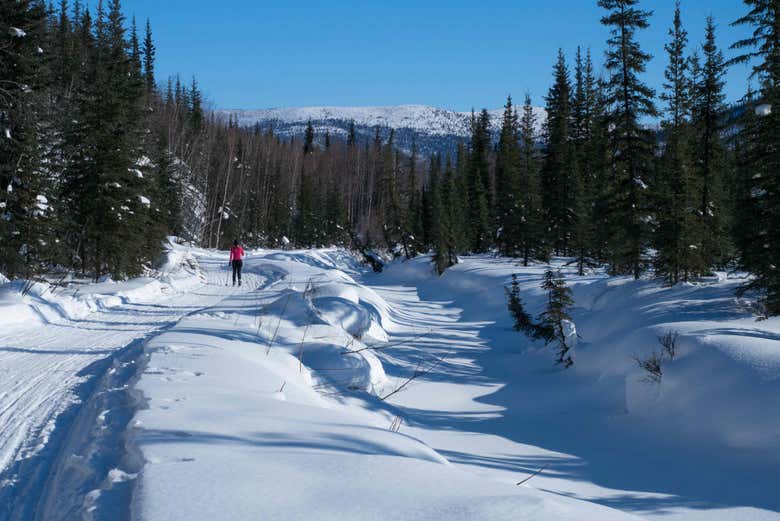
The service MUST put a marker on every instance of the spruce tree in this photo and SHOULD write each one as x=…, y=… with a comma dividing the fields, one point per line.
x=599, y=178
x=308, y=138
x=677, y=237
x=758, y=236
x=478, y=184
x=388, y=198
x=110, y=201
x=442, y=238
x=460, y=210
x=197, y=115
x=22, y=177
x=410, y=212
x=507, y=179
x=583, y=167
x=424, y=231
x=631, y=145
x=557, y=169
x=149, y=52
x=711, y=160
x=530, y=226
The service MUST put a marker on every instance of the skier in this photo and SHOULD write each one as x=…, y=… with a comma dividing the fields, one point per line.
x=236, y=254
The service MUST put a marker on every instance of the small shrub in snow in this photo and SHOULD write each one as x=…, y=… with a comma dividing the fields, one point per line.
x=669, y=343
x=653, y=365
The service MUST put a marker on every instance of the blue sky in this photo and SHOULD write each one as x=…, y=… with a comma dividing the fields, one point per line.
x=451, y=54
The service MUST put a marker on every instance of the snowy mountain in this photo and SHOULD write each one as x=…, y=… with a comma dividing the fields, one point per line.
x=433, y=129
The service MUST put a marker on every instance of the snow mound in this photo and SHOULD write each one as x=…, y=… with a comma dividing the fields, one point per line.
x=26, y=302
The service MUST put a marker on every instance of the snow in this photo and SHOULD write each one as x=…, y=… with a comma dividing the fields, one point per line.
x=235, y=427
x=421, y=118
x=16, y=32
x=179, y=397
x=764, y=109
x=8, y=133
x=612, y=438
x=144, y=200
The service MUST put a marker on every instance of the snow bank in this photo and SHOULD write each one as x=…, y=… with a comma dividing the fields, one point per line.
x=24, y=303
x=14, y=309
x=726, y=360
x=603, y=427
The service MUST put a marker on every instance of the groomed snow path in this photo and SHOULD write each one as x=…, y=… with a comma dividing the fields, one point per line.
x=54, y=367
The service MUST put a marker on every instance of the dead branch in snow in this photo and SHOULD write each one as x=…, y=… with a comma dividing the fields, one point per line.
x=669, y=342
x=278, y=324
x=396, y=425
x=418, y=372
x=533, y=475
x=377, y=347
x=300, y=350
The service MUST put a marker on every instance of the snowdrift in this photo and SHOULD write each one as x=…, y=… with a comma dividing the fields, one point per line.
x=267, y=406
x=23, y=303
x=680, y=447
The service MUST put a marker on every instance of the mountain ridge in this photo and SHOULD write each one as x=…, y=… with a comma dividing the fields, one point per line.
x=431, y=129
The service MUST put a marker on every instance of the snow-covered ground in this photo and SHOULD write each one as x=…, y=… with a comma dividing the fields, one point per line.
x=292, y=397
x=702, y=444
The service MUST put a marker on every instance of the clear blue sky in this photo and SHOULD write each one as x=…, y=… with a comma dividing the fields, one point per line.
x=451, y=54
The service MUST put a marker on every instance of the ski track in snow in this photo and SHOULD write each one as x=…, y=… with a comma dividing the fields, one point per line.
x=45, y=376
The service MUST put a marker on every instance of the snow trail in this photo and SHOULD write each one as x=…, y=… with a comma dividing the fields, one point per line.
x=50, y=372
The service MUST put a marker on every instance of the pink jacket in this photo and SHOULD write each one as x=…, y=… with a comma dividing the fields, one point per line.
x=236, y=253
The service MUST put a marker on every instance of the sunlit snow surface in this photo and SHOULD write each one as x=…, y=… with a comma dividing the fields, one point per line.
x=265, y=401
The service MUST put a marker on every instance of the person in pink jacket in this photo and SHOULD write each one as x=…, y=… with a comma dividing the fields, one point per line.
x=236, y=261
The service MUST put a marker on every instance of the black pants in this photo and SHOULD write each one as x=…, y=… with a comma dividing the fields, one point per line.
x=237, y=265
